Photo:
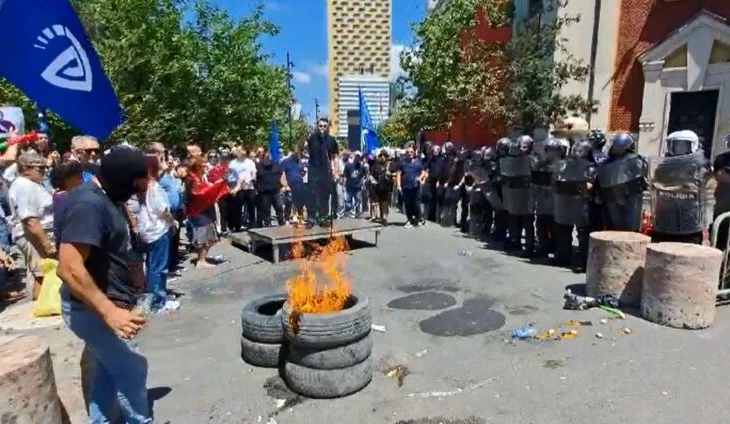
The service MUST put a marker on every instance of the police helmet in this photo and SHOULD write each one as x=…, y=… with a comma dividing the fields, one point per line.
x=503, y=145
x=554, y=144
x=597, y=138
x=621, y=143
x=682, y=143
x=490, y=153
x=581, y=149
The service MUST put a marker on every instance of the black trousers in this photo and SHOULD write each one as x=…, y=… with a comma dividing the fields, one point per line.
x=501, y=222
x=722, y=232
x=694, y=238
x=234, y=211
x=464, y=215
x=545, y=234
x=266, y=201
x=321, y=187
x=564, y=245
x=430, y=201
x=223, y=210
x=597, y=216
x=410, y=202
x=247, y=198
x=517, y=225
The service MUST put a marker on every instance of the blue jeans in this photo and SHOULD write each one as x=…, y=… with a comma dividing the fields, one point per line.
x=119, y=383
x=353, y=200
x=157, y=261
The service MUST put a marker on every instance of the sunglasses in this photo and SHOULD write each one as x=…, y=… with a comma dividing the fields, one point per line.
x=89, y=151
x=322, y=126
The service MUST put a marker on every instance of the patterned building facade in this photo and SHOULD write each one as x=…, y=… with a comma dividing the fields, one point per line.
x=359, y=42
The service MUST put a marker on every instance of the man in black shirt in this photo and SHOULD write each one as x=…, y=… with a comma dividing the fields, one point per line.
x=270, y=181
x=99, y=291
x=323, y=151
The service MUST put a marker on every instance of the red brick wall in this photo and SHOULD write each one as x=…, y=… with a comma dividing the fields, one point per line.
x=644, y=23
x=475, y=132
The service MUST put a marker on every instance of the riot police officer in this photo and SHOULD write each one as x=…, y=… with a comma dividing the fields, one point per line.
x=620, y=184
x=597, y=138
x=573, y=179
x=449, y=195
x=493, y=191
x=478, y=204
x=428, y=189
x=516, y=171
x=554, y=150
x=678, y=190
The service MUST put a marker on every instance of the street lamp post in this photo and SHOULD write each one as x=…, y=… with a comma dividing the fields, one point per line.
x=289, y=66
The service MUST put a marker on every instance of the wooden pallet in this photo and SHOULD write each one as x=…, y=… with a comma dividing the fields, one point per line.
x=277, y=236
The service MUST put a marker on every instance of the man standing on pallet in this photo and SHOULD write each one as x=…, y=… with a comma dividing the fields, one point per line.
x=323, y=151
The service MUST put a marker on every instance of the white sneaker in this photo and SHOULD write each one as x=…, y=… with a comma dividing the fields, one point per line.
x=408, y=225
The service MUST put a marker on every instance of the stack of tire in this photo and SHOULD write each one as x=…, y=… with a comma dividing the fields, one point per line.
x=262, y=333
x=329, y=354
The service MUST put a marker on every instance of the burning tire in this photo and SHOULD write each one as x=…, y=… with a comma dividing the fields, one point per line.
x=262, y=331
x=265, y=355
x=322, y=331
x=333, y=358
x=261, y=320
x=326, y=384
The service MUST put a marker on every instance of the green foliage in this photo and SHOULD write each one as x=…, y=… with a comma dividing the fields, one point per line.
x=181, y=71
x=539, y=65
x=453, y=71
x=451, y=68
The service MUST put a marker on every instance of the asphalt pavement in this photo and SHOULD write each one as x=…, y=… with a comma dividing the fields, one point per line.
x=449, y=305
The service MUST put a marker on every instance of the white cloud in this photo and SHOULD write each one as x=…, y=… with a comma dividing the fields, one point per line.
x=395, y=68
x=272, y=6
x=301, y=77
x=321, y=69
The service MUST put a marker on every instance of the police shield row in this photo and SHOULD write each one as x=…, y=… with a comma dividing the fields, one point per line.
x=547, y=193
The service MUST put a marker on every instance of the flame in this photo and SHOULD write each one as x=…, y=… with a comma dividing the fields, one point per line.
x=321, y=285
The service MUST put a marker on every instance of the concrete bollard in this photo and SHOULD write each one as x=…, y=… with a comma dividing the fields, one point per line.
x=27, y=385
x=680, y=285
x=616, y=265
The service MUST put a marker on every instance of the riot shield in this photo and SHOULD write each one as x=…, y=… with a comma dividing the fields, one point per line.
x=622, y=183
x=542, y=189
x=516, y=185
x=571, y=193
x=679, y=197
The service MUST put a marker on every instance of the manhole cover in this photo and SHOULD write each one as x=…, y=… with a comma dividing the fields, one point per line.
x=473, y=318
x=426, y=301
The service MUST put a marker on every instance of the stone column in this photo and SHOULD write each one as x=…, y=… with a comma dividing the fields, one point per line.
x=616, y=265
x=680, y=285
x=27, y=385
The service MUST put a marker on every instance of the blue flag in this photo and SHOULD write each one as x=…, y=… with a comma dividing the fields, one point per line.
x=274, y=147
x=370, y=139
x=48, y=56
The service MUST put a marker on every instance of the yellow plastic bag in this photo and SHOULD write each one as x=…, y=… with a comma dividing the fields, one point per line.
x=49, y=299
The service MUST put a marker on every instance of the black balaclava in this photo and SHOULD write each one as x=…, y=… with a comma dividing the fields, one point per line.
x=119, y=169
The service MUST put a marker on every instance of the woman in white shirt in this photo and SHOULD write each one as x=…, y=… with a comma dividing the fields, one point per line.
x=155, y=224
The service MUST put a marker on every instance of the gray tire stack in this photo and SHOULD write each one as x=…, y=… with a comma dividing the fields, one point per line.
x=329, y=354
x=262, y=332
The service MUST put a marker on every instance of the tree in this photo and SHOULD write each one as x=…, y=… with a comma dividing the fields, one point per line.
x=453, y=69
x=456, y=72
x=539, y=66
x=181, y=71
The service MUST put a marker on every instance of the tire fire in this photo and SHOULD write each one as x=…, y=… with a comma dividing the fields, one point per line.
x=321, y=285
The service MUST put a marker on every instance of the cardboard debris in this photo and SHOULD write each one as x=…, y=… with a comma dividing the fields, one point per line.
x=398, y=372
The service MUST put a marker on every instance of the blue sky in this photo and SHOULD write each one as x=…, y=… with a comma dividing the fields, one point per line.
x=303, y=25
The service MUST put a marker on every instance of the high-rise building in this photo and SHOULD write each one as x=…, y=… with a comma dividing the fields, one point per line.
x=431, y=4
x=377, y=93
x=359, y=42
